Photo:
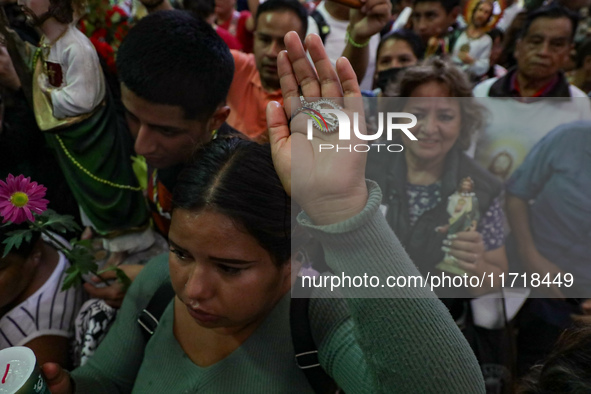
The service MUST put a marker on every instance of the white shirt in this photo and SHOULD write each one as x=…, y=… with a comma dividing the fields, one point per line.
x=514, y=127
x=508, y=15
x=49, y=311
x=479, y=51
x=83, y=85
x=402, y=19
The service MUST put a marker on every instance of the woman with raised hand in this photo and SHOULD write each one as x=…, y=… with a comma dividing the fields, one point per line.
x=226, y=329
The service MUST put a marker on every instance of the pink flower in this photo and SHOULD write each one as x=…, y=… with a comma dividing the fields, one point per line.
x=20, y=198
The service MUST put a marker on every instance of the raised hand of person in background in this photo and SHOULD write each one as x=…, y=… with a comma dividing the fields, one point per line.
x=328, y=185
x=368, y=20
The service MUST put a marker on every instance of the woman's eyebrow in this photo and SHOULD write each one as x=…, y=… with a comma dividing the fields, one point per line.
x=231, y=261
x=174, y=245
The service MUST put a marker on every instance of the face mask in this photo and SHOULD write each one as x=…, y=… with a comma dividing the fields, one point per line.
x=385, y=77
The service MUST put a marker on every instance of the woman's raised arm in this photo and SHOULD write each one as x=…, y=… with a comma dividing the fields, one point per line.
x=407, y=340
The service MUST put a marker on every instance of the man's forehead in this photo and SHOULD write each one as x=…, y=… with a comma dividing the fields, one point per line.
x=275, y=20
x=561, y=28
x=428, y=6
x=271, y=33
x=163, y=115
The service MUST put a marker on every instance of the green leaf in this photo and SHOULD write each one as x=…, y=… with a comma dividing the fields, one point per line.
x=59, y=223
x=121, y=276
x=86, y=243
x=81, y=258
x=123, y=279
x=140, y=170
x=15, y=239
x=82, y=262
x=74, y=278
x=90, y=30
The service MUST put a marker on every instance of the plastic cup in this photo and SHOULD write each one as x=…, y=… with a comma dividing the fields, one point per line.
x=20, y=373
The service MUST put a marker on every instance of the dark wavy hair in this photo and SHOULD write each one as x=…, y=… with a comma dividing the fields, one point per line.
x=566, y=370
x=408, y=36
x=435, y=69
x=448, y=5
x=200, y=8
x=285, y=5
x=172, y=58
x=552, y=11
x=236, y=178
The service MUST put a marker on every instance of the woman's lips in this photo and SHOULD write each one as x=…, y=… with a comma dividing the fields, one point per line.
x=427, y=142
x=202, y=316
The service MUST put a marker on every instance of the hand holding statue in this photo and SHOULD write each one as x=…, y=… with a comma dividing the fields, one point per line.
x=469, y=248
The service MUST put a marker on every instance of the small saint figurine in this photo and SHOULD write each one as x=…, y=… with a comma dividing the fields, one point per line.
x=463, y=212
x=65, y=86
x=471, y=50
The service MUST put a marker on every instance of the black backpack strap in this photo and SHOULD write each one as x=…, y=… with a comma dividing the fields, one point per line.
x=306, y=352
x=150, y=316
x=323, y=27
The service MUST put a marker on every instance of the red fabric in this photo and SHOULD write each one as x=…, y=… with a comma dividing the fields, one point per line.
x=165, y=204
x=105, y=51
x=54, y=74
x=106, y=34
x=231, y=41
x=540, y=93
x=244, y=36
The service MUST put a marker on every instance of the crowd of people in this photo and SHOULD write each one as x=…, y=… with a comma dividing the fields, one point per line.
x=177, y=140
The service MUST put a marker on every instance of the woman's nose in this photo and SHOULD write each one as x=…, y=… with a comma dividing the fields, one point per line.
x=201, y=284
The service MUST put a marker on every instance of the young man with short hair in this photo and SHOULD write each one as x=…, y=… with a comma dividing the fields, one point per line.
x=433, y=20
x=174, y=101
x=175, y=72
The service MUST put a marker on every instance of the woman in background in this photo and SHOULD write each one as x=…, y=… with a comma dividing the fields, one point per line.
x=396, y=51
x=418, y=182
